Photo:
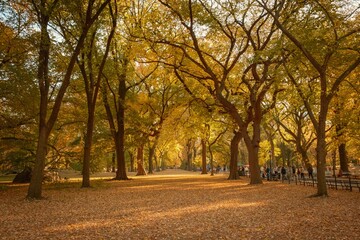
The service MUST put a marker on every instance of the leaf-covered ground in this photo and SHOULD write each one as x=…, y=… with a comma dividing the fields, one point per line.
x=179, y=205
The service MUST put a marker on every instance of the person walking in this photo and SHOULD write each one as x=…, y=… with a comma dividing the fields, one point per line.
x=283, y=173
x=310, y=171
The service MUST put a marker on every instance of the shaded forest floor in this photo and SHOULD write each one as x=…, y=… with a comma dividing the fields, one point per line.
x=178, y=205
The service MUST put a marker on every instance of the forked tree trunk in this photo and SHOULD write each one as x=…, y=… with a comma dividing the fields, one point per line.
x=304, y=157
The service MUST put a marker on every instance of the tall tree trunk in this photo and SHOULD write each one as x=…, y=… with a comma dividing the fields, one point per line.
x=87, y=147
x=118, y=136
x=343, y=158
x=113, y=162
x=151, y=156
x=189, y=154
x=120, y=117
x=211, y=161
x=35, y=187
x=342, y=147
x=157, y=167
x=189, y=161
x=321, y=150
x=252, y=146
x=339, y=128
x=194, y=156
x=234, y=153
x=132, y=162
x=272, y=154
x=321, y=159
x=203, y=156
x=140, y=161
x=120, y=159
x=120, y=152
x=333, y=155
x=92, y=89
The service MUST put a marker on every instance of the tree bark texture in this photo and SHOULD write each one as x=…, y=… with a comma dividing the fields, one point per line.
x=140, y=161
x=87, y=148
x=234, y=153
x=151, y=156
x=203, y=157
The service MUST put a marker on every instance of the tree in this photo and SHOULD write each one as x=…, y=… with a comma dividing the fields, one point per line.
x=19, y=94
x=294, y=127
x=212, y=138
x=210, y=51
x=92, y=70
x=162, y=92
x=44, y=11
x=327, y=40
x=128, y=75
x=116, y=115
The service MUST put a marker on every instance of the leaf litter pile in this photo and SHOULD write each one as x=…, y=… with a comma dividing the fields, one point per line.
x=179, y=205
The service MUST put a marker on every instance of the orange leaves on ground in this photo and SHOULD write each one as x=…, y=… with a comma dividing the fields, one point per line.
x=179, y=205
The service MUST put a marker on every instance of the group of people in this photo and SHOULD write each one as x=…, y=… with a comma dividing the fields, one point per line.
x=275, y=173
x=280, y=172
x=301, y=172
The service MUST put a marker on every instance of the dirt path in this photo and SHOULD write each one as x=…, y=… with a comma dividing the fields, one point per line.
x=179, y=205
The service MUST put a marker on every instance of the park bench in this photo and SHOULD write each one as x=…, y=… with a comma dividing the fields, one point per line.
x=350, y=183
x=331, y=183
x=343, y=183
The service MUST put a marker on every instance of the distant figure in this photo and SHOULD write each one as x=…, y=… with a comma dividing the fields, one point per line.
x=298, y=173
x=276, y=172
x=283, y=172
x=310, y=171
x=302, y=175
x=293, y=172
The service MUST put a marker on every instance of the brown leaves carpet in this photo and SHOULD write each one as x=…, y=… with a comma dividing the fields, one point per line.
x=179, y=205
